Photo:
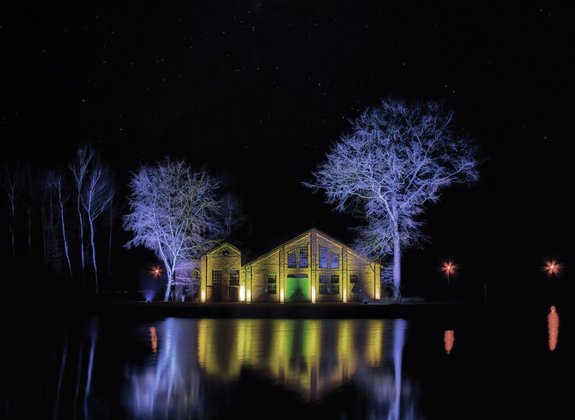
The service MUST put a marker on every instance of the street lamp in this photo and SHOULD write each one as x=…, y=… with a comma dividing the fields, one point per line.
x=552, y=267
x=448, y=268
x=156, y=271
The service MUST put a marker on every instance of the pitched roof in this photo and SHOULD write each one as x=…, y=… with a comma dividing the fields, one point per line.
x=214, y=249
x=301, y=236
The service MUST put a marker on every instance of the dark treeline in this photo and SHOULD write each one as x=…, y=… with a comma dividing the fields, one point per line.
x=61, y=230
x=59, y=222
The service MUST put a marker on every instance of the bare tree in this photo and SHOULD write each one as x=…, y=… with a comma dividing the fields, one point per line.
x=80, y=168
x=96, y=197
x=397, y=158
x=173, y=212
x=231, y=214
x=55, y=182
x=30, y=200
x=12, y=185
x=114, y=211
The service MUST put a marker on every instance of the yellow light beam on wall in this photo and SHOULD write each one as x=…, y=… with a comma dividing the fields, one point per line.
x=242, y=293
x=313, y=294
x=344, y=294
x=282, y=295
x=249, y=296
x=203, y=296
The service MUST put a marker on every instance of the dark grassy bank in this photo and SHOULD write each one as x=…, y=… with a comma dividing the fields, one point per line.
x=303, y=310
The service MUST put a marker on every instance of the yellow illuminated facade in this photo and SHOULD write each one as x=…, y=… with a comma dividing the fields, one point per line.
x=312, y=267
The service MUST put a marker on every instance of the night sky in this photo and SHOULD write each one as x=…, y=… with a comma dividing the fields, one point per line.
x=257, y=91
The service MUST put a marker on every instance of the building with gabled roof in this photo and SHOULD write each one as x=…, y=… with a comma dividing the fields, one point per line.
x=312, y=267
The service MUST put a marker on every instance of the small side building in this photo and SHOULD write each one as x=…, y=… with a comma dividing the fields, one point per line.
x=312, y=267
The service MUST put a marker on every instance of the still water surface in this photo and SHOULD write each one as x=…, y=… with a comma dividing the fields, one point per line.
x=278, y=368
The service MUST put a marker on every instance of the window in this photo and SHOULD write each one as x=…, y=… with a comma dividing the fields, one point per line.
x=234, y=277
x=334, y=286
x=291, y=260
x=216, y=277
x=323, y=289
x=334, y=260
x=322, y=257
x=353, y=282
x=303, y=257
x=271, y=284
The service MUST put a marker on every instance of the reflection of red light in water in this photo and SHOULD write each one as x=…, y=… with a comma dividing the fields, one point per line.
x=553, y=325
x=448, y=339
x=153, y=339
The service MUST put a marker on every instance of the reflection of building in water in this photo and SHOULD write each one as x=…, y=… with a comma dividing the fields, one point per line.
x=553, y=327
x=290, y=351
x=312, y=357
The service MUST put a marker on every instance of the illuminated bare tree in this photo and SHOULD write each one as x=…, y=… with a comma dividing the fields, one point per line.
x=12, y=186
x=55, y=184
x=96, y=197
x=80, y=167
x=173, y=212
x=397, y=158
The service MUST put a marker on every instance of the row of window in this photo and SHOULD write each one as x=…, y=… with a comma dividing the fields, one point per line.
x=217, y=277
x=326, y=259
x=302, y=261
x=325, y=287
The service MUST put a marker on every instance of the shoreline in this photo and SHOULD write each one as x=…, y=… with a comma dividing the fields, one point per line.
x=290, y=310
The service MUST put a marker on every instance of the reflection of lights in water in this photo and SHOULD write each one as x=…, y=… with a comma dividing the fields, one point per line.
x=553, y=326
x=312, y=357
x=153, y=339
x=552, y=267
x=171, y=386
x=448, y=339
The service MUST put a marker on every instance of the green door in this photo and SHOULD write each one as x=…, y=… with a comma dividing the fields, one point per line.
x=297, y=289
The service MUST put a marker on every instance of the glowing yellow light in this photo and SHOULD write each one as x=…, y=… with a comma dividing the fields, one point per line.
x=344, y=294
x=156, y=271
x=448, y=340
x=552, y=267
x=377, y=294
x=242, y=293
x=203, y=295
x=313, y=294
x=249, y=295
x=553, y=326
x=282, y=296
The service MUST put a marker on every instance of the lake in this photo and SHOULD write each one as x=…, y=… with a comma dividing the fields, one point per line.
x=499, y=364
